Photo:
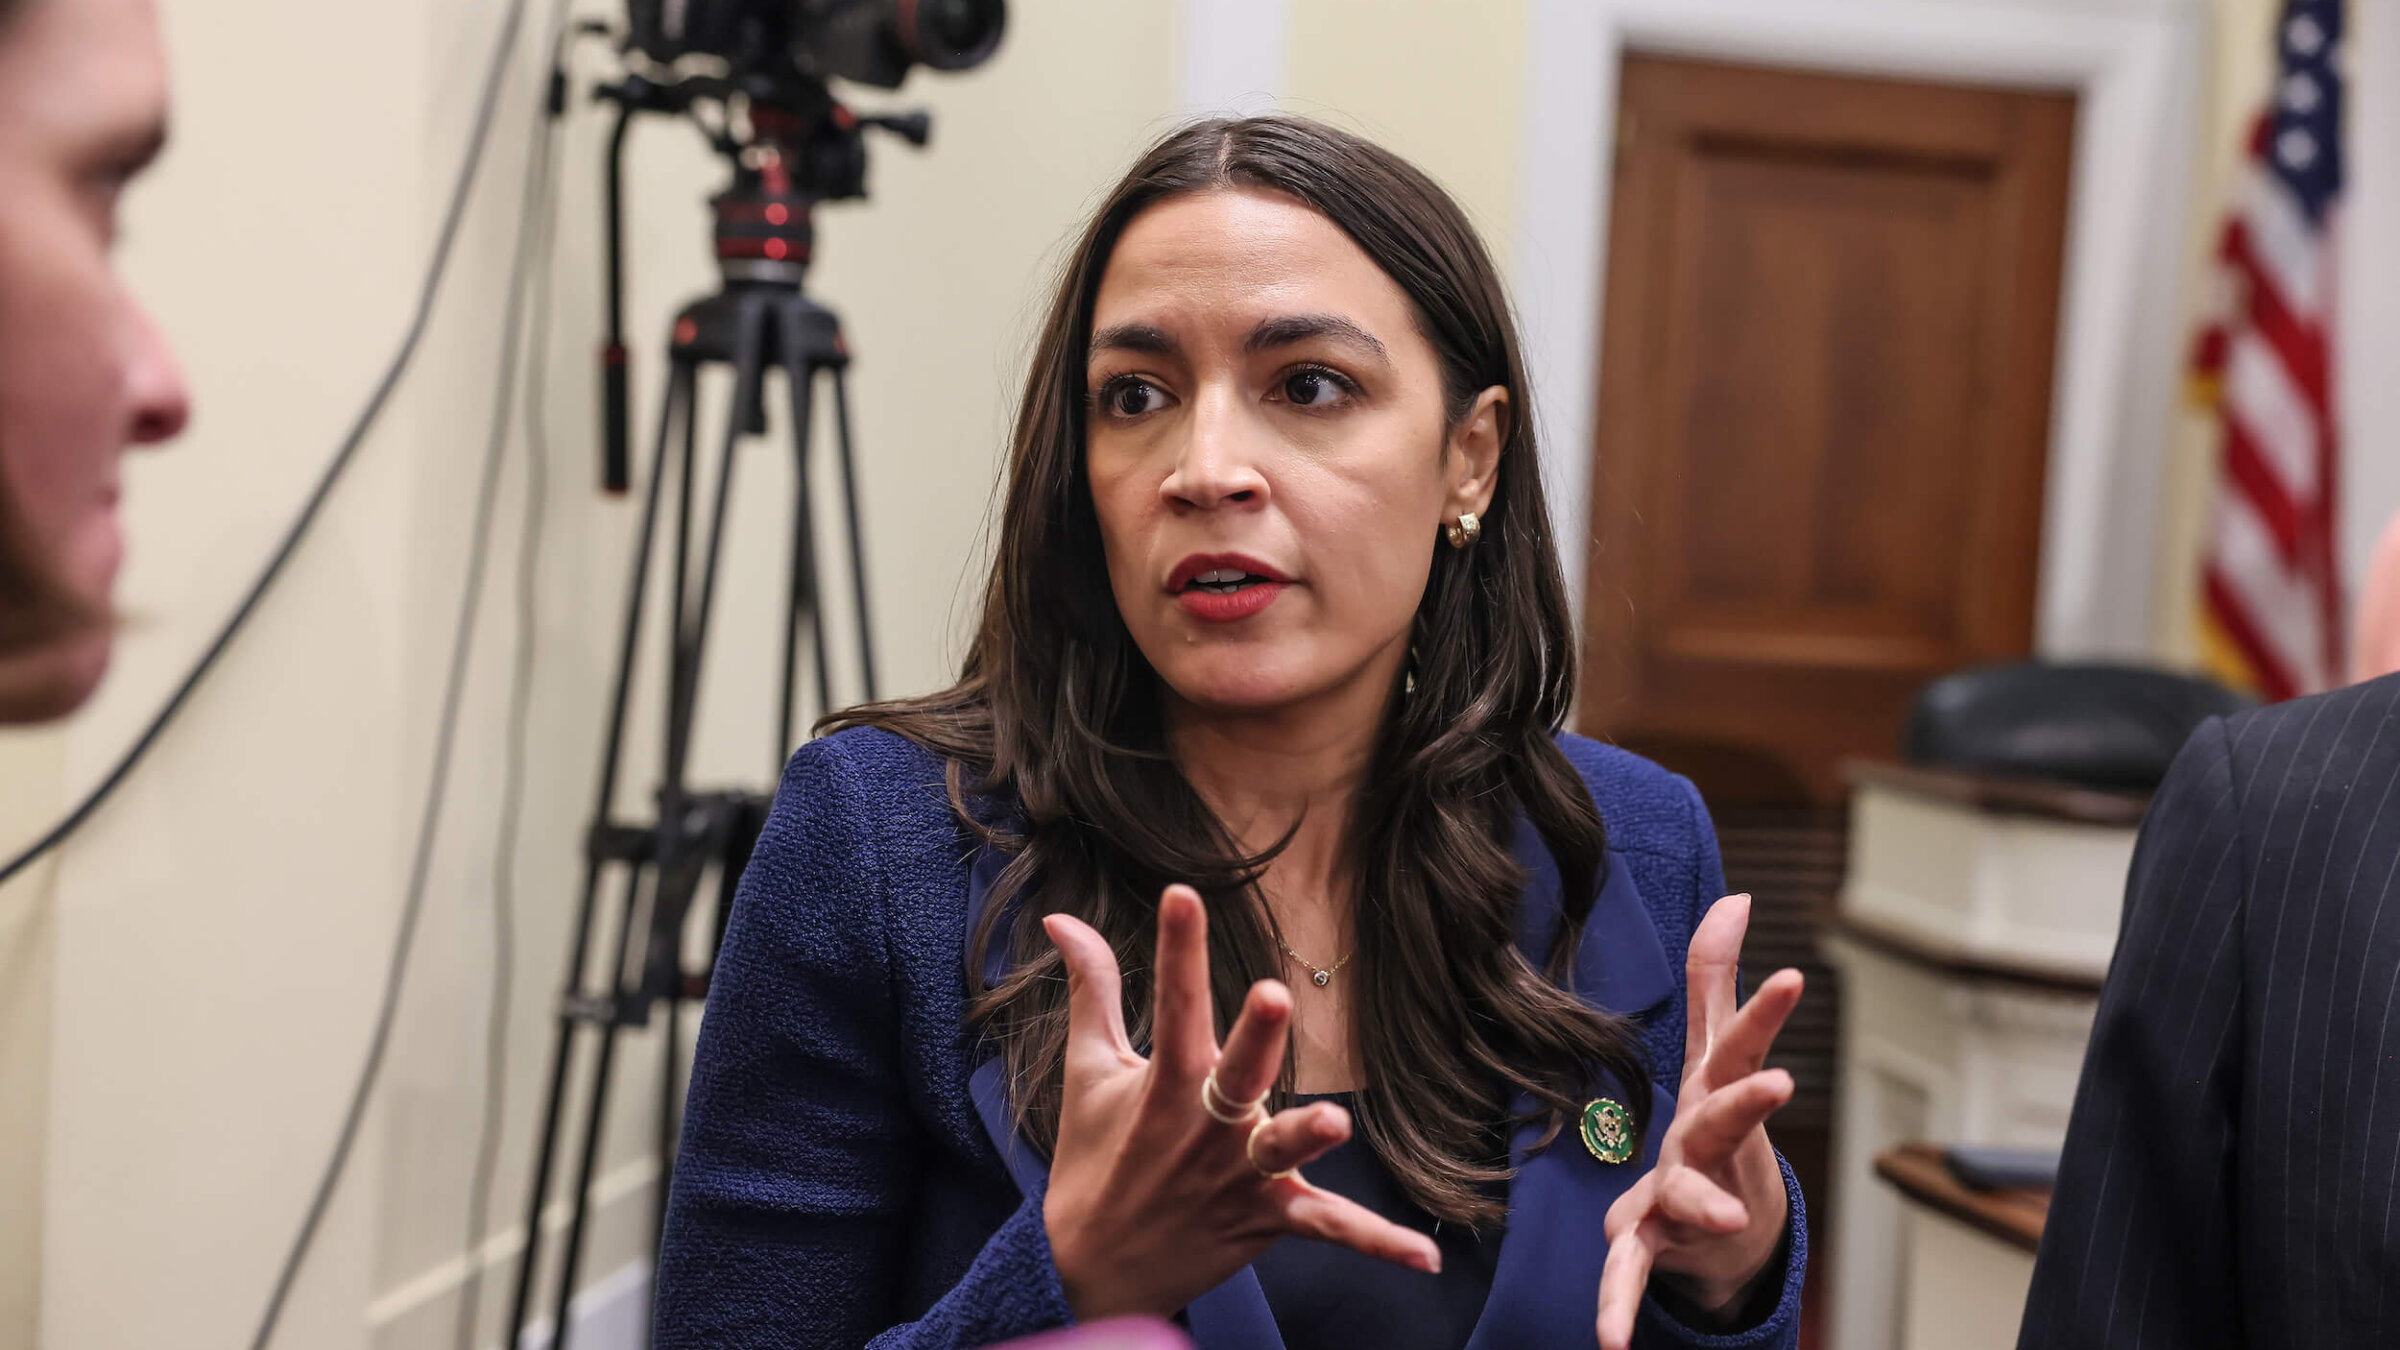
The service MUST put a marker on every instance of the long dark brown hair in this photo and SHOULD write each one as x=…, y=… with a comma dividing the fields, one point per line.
x=1057, y=750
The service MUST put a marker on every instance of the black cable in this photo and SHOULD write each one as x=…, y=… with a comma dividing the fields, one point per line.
x=412, y=904
x=541, y=199
x=436, y=268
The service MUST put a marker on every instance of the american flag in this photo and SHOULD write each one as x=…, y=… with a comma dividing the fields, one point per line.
x=2271, y=605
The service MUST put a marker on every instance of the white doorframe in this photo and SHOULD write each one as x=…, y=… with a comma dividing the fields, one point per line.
x=2136, y=66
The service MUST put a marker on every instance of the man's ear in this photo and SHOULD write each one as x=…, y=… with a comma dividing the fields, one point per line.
x=1473, y=455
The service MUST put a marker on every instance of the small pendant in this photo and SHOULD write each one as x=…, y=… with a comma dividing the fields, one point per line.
x=1323, y=978
x=1608, y=1131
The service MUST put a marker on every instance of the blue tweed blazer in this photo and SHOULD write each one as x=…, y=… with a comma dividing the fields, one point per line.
x=848, y=1174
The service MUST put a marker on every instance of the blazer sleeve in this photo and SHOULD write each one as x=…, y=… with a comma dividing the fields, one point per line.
x=2139, y=1249
x=1770, y=1325
x=791, y=1214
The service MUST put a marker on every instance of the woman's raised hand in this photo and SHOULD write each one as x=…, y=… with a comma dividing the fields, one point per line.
x=1712, y=1212
x=1153, y=1198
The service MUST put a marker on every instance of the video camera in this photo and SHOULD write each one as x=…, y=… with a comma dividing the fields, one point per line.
x=872, y=42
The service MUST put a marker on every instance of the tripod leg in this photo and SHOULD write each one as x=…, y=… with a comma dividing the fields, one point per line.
x=690, y=642
x=679, y=584
x=801, y=584
x=858, y=543
x=670, y=1059
x=595, y=1117
x=748, y=360
x=677, y=401
x=813, y=597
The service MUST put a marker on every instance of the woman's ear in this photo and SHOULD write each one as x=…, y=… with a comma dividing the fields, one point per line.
x=1473, y=458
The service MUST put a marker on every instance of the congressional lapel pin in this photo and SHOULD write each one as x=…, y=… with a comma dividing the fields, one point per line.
x=1608, y=1130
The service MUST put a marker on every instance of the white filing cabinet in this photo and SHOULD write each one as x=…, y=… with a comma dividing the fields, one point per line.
x=1969, y=1254
x=1975, y=924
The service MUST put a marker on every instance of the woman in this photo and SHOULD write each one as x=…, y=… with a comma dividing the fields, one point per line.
x=83, y=372
x=1256, y=748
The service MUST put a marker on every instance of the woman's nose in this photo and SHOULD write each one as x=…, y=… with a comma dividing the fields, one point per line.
x=1217, y=464
x=157, y=399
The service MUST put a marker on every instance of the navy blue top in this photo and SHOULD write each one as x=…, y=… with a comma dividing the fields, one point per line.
x=1328, y=1297
x=848, y=1176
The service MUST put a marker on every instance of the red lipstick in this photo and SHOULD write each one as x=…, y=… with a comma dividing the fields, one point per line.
x=1224, y=587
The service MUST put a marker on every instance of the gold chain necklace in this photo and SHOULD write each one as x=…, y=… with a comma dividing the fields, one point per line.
x=1320, y=975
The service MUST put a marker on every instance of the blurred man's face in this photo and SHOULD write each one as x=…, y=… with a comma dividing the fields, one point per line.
x=83, y=373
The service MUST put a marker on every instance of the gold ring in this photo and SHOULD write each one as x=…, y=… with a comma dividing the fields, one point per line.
x=1232, y=1112
x=1250, y=1150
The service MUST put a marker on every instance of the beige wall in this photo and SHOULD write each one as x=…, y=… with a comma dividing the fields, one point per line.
x=184, y=996
x=28, y=774
x=1440, y=81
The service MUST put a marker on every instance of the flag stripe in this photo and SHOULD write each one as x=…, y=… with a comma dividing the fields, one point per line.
x=2279, y=603
x=2282, y=242
x=2247, y=473
x=2263, y=309
x=2261, y=399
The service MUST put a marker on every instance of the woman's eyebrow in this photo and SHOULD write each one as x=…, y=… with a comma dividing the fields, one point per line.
x=1286, y=329
x=1147, y=339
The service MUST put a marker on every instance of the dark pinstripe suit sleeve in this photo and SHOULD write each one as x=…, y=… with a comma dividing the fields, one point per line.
x=2140, y=1247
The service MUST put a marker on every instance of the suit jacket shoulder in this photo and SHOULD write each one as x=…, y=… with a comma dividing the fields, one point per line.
x=2229, y=1176
x=2332, y=741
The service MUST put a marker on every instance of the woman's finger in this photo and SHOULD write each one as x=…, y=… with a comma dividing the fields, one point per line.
x=1184, y=1023
x=1253, y=1056
x=1709, y=970
x=1729, y=1115
x=1298, y=1137
x=1744, y=1040
x=1622, y=1282
x=1327, y=1217
x=1631, y=1208
x=1095, y=997
x=1688, y=1197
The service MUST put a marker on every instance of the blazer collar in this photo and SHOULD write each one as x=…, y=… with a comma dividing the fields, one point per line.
x=1546, y=1283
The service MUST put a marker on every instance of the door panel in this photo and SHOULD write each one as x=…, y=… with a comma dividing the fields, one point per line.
x=1824, y=411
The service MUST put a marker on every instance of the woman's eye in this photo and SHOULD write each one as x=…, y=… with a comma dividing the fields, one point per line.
x=1128, y=397
x=1313, y=388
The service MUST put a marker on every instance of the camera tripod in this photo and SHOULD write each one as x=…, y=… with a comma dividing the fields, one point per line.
x=759, y=324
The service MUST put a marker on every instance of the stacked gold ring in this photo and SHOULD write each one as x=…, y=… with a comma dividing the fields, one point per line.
x=1225, y=1110
x=1232, y=1112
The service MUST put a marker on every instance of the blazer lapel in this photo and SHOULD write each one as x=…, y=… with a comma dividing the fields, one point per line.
x=1546, y=1283
x=1621, y=965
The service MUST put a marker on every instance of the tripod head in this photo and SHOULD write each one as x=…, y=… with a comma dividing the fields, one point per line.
x=802, y=151
x=791, y=145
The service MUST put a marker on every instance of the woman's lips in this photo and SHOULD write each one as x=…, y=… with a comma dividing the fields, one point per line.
x=1229, y=606
x=1199, y=565
x=1258, y=586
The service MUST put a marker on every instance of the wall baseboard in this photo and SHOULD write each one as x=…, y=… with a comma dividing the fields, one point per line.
x=611, y=1301
x=612, y=1313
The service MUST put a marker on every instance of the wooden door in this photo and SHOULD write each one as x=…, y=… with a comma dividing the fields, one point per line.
x=1824, y=411
x=1824, y=416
